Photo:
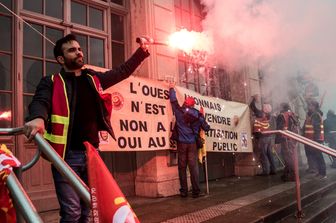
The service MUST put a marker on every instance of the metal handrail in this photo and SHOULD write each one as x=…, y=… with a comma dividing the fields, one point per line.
x=11, y=131
x=19, y=131
x=22, y=201
x=19, y=195
x=64, y=169
x=306, y=141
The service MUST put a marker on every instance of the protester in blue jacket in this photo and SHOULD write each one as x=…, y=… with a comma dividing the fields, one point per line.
x=189, y=121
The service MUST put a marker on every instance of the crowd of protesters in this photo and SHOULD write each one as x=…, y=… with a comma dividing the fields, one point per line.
x=313, y=128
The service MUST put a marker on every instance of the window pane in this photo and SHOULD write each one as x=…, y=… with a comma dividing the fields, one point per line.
x=5, y=111
x=83, y=42
x=32, y=73
x=32, y=41
x=97, y=52
x=204, y=84
x=6, y=33
x=5, y=71
x=118, y=54
x=78, y=13
x=119, y=2
x=117, y=23
x=96, y=18
x=53, y=35
x=54, y=8
x=33, y=5
x=190, y=73
x=52, y=68
x=181, y=70
x=8, y=4
x=192, y=86
x=26, y=102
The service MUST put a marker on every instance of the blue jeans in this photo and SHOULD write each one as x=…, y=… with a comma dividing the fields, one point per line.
x=72, y=208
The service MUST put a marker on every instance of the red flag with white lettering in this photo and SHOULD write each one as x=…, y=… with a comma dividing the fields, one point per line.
x=7, y=162
x=108, y=203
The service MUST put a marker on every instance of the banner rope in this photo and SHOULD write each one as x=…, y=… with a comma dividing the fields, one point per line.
x=20, y=18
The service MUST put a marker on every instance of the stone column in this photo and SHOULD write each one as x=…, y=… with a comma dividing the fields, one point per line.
x=155, y=178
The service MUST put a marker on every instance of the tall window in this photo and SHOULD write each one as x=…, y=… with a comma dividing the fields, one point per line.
x=202, y=78
x=119, y=2
x=53, y=8
x=93, y=49
x=6, y=58
x=189, y=16
x=118, y=39
x=87, y=15
x=38, y=58
x=54, y=19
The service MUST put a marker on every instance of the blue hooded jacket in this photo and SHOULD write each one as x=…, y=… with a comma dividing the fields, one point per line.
x=189, y=120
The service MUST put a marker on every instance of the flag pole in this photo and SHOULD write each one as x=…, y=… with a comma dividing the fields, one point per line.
x=277, y=155
x=206, y=174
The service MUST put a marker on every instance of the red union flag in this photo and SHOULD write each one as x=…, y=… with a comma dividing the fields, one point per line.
x=7, y=162
x=108, y=203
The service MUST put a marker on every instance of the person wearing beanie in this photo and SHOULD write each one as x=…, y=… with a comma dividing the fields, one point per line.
x=189, y=121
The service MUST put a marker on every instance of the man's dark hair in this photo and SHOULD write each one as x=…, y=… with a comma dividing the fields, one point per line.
x=59, y=43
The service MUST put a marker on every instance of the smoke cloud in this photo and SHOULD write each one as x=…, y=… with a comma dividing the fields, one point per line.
x=284, y=38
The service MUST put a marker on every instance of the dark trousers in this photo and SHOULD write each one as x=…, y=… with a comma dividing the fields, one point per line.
x=266, y=155
x=318, y=159
x=312, y=165
x=187, y=156
x=288, y=148
x=72, y=208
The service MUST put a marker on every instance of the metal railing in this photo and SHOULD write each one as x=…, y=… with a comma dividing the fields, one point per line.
x=22, y=202
x=306, y=141
x=21, y=199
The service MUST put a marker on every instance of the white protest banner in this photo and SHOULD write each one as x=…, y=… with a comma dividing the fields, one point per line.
x=142, y=118
x=229, y=122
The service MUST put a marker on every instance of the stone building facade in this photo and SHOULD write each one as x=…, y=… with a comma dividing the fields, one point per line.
x=107, y=30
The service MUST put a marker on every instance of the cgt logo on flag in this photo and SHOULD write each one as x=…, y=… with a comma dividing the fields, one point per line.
x=108, y=203
x=124, y=213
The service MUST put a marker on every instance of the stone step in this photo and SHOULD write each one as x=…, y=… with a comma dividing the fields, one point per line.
x=321, y=210
x=278, y=207
x=313, y=192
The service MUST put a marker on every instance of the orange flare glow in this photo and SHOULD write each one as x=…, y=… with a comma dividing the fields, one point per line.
x=7, y=115
x=189, y=41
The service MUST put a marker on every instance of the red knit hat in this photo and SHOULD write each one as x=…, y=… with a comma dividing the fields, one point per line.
x=189, y=101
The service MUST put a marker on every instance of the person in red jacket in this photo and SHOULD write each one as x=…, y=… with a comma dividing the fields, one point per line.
x=70, y=108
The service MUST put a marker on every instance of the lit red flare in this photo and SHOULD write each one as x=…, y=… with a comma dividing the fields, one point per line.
x=189, y=41
x=6, y=115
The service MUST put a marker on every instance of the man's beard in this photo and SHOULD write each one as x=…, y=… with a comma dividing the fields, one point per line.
x=73, y=64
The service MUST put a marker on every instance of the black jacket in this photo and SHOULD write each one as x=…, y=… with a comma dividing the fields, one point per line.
x=40, y=107
x=330, y=130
